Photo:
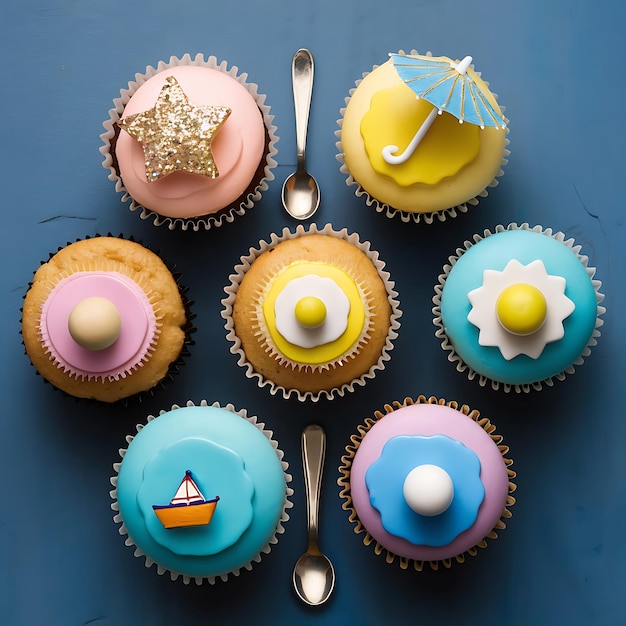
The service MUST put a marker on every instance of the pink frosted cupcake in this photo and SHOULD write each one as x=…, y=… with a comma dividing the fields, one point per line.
x=427, y=481
x=191, y=143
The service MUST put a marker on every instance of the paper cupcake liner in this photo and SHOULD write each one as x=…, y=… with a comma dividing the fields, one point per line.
x=231, y=294
x=461, y=366
x=174, y=575
x=345, y=493
x=174, y=369
x=407, y=216
x=245, y=202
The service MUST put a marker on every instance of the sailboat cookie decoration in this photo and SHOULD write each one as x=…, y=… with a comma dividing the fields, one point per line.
x=188, y=507
x=449, y=87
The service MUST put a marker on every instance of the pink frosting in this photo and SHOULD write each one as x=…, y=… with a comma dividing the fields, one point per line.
x=237, y=147
x=431, y=419
x=137, y=332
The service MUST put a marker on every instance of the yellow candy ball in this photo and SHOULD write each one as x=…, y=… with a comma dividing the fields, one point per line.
x=521, y=309
x=310, y=312
x=94, y=323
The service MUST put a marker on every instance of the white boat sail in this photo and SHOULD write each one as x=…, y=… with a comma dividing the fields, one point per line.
x=187, y=491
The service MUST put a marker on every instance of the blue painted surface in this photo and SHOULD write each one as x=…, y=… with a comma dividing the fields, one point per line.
x=556, y=67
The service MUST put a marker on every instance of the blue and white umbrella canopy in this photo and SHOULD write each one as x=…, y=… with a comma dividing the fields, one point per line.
x=449, y=87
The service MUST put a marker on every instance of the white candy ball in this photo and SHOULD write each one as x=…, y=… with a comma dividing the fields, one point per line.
x=428, y=490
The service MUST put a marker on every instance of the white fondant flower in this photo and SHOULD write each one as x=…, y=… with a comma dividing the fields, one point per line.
x=493, y=332
x=331, y=295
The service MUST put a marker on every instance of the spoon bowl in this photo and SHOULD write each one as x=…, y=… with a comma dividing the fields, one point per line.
x=301, y=193
x=313, y=574
x=314, y=578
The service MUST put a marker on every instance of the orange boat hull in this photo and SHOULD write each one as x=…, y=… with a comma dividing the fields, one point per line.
x=186, y=515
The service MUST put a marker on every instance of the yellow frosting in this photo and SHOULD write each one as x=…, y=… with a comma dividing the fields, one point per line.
x=327, y=352
x=394, y=117
x=467, y=183
x=521, y=309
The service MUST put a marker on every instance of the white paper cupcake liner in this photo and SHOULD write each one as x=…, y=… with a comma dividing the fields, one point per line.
x=345, y=492
x=205, y=222
x=231, y=294
x=407, y=216
x=461, y=366
x=174, y=575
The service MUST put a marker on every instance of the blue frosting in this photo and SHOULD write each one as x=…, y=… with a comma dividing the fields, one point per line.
x=221, y=472
x=494, y=252
x=229, y=457
x=385, y=483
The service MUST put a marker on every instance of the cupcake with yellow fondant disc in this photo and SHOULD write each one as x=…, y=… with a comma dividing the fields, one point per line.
x=422, y=137
x=311, y=313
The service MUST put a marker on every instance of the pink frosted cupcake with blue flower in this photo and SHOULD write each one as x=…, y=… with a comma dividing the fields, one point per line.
x=427, y=481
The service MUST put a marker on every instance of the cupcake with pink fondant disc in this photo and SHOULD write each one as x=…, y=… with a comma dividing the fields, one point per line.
x=427, y=481
x=105, y=319
x=191, y=143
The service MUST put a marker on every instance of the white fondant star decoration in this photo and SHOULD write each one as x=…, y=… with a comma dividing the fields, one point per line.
x=484, y=313
x=175, y=134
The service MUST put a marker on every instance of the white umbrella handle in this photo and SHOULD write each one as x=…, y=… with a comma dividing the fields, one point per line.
x=395, y=159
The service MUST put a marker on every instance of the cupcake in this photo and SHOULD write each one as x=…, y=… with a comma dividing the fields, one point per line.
x=518, y=307
x=427, y=481
x=311, y=313
x=422, y=136
x=191, y=143
x=201, y=492
x=105, y=319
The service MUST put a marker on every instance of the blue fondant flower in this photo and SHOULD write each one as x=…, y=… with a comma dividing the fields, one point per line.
x=385, y=482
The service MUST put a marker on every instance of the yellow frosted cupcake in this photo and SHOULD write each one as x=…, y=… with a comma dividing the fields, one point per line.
x=422, y=136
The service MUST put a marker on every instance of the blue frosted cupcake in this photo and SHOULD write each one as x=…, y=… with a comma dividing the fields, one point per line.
x=202, y=492
x=518, y=307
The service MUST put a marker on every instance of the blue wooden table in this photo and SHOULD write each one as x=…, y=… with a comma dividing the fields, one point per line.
x=557, y=67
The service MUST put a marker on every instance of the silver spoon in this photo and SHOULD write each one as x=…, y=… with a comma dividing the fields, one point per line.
x=313, y=574
x=301, y=193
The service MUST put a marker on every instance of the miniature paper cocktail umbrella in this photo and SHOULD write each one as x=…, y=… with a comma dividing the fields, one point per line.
x=449, y=87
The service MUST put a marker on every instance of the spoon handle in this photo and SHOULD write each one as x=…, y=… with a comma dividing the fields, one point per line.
x=302, y=82
x=313, y=453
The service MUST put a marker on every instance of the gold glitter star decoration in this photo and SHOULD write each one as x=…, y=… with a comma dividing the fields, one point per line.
x=175, y=134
